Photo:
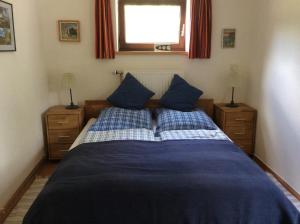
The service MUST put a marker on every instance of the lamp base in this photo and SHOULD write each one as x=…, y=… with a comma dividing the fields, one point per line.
x=72, y=107
x=232, y=105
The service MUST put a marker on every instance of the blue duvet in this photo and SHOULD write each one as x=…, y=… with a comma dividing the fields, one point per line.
x=171, y=182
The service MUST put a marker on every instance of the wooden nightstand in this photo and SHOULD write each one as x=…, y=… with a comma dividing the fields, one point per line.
x=63, y=126
x=239, y=124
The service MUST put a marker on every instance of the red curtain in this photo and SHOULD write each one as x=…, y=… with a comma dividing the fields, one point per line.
x=104, y=30
x=201, y=26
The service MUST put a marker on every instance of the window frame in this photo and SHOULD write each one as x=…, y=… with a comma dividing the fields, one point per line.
x=123, y=46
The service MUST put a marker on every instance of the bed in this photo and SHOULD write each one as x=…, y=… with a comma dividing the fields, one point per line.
x=196, y=181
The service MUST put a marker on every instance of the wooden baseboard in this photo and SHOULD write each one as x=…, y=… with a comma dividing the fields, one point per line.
x=16, y=197
x=283, y=182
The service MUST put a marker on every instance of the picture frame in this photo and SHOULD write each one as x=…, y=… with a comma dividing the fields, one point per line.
x=69, y=30
x=7, y=28
x=228, y=38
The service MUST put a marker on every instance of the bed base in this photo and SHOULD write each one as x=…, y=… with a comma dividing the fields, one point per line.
x=93, y=107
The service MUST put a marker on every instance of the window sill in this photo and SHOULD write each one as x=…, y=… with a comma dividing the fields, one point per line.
x=151, y=53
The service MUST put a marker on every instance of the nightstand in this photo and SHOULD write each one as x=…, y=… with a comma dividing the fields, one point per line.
x=239, y=124
x=63, y=126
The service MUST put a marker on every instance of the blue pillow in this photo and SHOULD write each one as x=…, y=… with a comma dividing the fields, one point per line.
x=180, y=95
x=114, y=118
x=177, y=120
x=131, y=94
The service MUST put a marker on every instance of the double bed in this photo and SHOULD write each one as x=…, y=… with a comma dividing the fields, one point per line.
x=178, y=178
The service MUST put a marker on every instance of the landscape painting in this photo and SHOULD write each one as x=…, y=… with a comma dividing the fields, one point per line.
x=7, y=32
x=69, y=30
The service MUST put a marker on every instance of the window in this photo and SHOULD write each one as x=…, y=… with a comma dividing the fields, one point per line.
x=146, y=24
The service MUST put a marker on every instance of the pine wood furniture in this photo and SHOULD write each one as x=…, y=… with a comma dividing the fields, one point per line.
x=63, y=126
x=239, y=124
x=93, y=107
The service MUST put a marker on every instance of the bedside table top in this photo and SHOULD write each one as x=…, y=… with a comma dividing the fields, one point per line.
x=242, y=108
x=62, y=110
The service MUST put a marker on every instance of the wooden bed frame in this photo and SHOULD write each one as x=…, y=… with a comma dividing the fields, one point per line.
x=93, y=107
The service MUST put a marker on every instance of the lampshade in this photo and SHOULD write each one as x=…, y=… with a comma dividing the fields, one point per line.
x=68, y=80
x=234, y=77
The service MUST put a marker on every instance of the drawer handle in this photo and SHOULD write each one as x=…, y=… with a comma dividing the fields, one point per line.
x=61, y=122
x=240, y=119
x=240, y=133
x=64, y=136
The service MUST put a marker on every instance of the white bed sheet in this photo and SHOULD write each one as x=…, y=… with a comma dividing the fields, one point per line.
x=83, y=133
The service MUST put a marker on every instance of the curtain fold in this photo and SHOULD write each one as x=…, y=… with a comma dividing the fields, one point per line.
x=201, y=28
x=105, y=48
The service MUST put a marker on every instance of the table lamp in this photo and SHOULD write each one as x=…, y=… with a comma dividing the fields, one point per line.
x=234, y=81
x=69, y=79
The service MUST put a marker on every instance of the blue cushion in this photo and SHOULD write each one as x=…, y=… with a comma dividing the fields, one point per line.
x=177, y=120
x=114, y=118
x=180, y=95
x=131, y=94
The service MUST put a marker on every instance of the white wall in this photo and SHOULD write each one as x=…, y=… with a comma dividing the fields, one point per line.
x=23, y=97
x=275, y=87
x=94, y=77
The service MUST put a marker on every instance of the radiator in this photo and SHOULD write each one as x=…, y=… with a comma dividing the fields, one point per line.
x=156, y=80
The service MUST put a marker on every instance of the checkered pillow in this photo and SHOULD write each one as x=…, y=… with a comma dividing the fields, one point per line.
x=115, y=118
x=119, y=135
x=193, y=134
x=176, y=120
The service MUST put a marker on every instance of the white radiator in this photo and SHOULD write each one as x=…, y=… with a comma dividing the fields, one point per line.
x=155, y=80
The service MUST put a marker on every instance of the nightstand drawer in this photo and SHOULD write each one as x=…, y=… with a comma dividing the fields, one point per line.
x=62, y=136
x=239, y=123
x=63, y=126
x=239, y=132
x=234, y=119
x=62, y=121
x=246, y=145
x=57, y=151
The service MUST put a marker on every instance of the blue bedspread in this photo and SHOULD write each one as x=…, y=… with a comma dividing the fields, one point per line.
x=172, y=182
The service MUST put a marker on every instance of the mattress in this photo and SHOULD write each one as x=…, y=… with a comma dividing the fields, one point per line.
x=181, y=177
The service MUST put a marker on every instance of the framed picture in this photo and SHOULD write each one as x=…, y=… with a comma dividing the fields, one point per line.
x=7, y=30
x=69, y=30
x=228, y=38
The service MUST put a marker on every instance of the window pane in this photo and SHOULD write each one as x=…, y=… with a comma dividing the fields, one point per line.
x=152, y=24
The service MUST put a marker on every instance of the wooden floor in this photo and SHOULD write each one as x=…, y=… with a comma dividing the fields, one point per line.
x=47, y=169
